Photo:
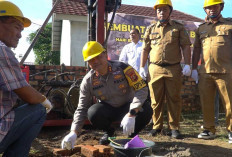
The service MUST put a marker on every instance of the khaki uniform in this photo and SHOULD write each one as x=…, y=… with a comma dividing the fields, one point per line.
x=122, y=85
x=164, y=44
x=215, y=40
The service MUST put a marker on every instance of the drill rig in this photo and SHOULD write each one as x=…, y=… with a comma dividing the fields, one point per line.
x=98, y=17
x=98, y=11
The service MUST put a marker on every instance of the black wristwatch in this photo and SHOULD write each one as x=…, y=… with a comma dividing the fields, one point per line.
x=133, y=112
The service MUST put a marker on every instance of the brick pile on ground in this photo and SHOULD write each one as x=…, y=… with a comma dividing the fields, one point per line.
x=86, y=150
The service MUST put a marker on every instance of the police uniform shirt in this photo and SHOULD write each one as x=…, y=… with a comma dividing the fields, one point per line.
x=163, y=42
x=215, y=40
x=121, y=85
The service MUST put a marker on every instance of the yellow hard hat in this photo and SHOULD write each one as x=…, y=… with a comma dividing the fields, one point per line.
x=163, y=2
x=92, y=49
x=212, y=2
x=9, y=9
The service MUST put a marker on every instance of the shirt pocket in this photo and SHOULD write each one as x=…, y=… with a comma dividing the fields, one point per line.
x=174, y=35
x=122, y=89
x=222, y=36
x=203, y=38
x=155, y=37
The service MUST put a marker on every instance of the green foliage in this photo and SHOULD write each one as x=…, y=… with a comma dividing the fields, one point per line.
x=42, y=47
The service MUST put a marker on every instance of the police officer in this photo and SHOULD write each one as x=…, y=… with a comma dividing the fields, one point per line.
x=121, y=95
x=214, y=40
x=164, y=41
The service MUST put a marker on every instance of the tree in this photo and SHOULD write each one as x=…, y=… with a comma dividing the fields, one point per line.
x=42, y=47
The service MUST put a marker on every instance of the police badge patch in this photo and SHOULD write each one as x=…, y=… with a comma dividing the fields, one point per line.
x=132, y=75
x=134, y=79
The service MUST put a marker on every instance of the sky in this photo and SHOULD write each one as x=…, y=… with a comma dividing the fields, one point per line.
x=38, y=10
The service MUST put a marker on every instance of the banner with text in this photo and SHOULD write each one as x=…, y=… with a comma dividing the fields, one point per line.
x=123, y=23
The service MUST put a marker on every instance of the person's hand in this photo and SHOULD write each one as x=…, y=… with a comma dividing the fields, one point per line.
x=186, y=71
x=47, y=104
x=195, y=75
x=128, y=124
x=142, y=73
x=69, y=141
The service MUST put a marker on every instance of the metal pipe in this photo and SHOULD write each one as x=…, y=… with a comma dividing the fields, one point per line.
x=111, y=23
x=100, y=21
x=95, y=4
x=89, y=21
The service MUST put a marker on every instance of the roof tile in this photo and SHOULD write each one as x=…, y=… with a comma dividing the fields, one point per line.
x=78, y=7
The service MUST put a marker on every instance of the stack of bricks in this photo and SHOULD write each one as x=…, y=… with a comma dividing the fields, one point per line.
x=37, y=80
x=190, y=96
x=86, y=150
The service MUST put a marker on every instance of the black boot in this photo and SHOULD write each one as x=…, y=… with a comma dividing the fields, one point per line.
x=176, y=134
x=154, y=132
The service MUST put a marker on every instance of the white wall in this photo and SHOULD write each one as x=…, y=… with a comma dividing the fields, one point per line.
x=78, y=40
x=65, y=47
x=73, y=38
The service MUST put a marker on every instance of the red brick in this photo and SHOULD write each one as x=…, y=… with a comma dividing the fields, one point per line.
x=77, y=148
x=48, y=67
x=71, y=77
x=103, y=148
x=33, y=83
x=69, y=68
x=39, y=67
x=62, y=152
x=39, y=77
x=49, y=77
x=89, y=151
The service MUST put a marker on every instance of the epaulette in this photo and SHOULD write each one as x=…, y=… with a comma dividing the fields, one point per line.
x=119, y=64
x=154, y=22
x=150, y=26
x=202, y=23
x=178, y=22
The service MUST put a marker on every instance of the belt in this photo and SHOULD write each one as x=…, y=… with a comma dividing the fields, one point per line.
x=165, y=64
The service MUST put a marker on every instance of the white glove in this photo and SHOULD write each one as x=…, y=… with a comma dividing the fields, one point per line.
x=186, y=71
x=47, y=104
x=69, y=141
x=143, y=73
x=195, y=75
x=128, y=124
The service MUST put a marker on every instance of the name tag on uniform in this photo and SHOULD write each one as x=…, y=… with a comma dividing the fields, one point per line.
x=154, y=33
x=203, y=32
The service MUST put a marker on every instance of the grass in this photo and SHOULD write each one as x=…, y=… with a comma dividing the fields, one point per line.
x=33, y=151
x=191, y=125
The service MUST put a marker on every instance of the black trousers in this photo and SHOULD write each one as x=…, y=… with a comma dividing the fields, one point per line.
x=101, y=115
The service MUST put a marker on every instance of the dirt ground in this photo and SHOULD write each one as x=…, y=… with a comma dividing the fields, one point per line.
x=51, y=137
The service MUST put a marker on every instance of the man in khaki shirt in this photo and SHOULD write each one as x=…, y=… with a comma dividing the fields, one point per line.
x=164, y=41
x=214, y=40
